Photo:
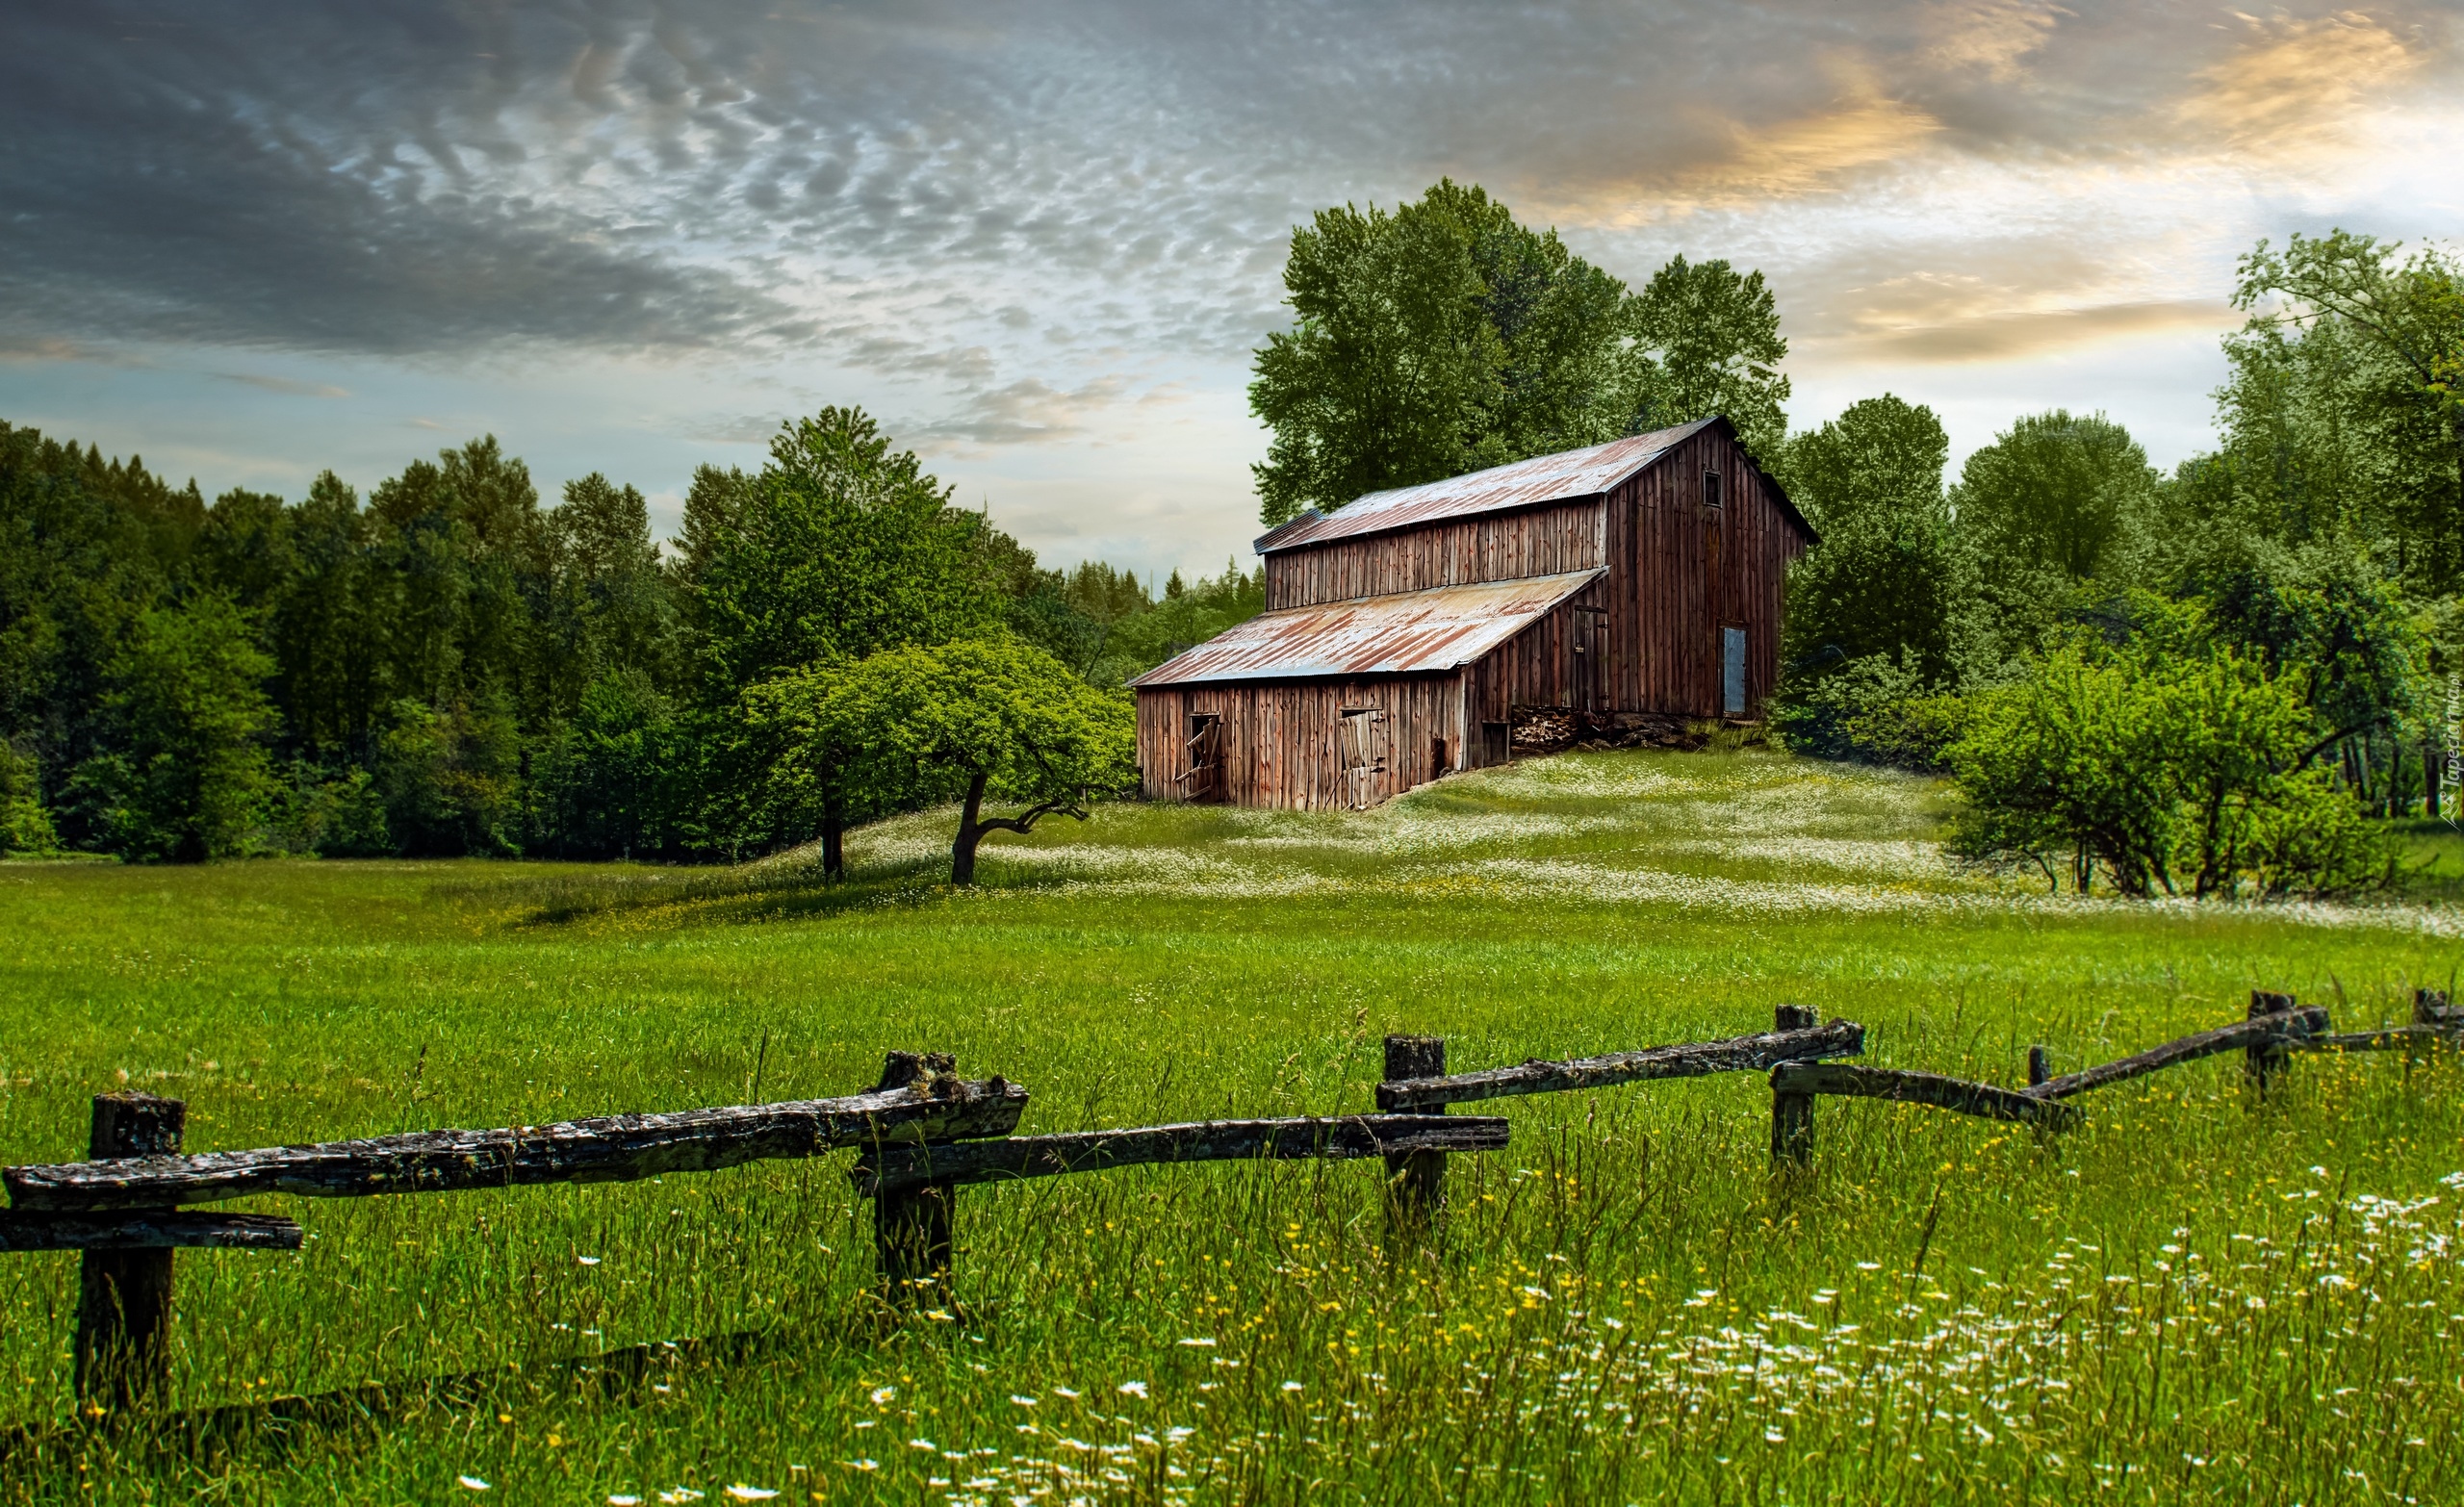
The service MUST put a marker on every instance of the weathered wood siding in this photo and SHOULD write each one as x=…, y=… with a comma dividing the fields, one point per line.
x=1679, y=571
x=1532, y=541
x=1540, y=666
x=1279, y=737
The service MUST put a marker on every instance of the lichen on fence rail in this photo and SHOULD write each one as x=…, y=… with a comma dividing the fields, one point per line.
x=616, y=1148
x=1687, y=1060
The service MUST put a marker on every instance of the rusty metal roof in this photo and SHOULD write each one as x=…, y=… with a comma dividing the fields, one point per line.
x=1443, y=629
x=1543, y=478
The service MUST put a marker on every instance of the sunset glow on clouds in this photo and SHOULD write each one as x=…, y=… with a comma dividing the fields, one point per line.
x=1040, y=240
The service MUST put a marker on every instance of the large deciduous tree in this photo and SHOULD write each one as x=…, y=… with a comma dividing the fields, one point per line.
x=1443, y=337
x=1705, y=339
x=1876, y=610
x=840, y=547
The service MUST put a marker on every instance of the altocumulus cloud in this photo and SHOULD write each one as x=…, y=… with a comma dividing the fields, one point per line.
x=420, y=178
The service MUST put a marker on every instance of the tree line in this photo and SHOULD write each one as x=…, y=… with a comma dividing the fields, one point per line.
x=2219, y=681
x=2205, y=681
x=447, y=667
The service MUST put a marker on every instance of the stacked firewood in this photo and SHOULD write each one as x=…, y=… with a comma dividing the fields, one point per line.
x=1545, y=730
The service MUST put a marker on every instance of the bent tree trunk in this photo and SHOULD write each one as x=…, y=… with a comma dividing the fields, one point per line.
x=970, y=833
x=973, y=824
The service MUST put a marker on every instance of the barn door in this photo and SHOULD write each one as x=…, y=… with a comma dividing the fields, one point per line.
x=1731, y=672
x=1360, y=752
x=1590, y=629
x=1204, y=778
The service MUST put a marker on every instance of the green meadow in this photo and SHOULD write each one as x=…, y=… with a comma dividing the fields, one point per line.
x=2193, y=1297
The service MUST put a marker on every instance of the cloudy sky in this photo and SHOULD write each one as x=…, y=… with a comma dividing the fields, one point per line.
x=1039, y=239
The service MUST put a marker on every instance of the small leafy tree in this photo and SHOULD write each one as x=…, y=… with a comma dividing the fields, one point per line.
x=973, y=720
x=841, y=546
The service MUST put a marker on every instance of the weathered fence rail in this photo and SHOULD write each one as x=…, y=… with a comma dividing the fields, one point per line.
x=1959, y=1095
x=145, y=1229
x=1200, y=1141
x=2273, y=1028
x=922, y=1131
x=617, y=1148
x=1690, y=1059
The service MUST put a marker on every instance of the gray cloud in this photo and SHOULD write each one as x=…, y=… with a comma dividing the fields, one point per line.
x=284, y=385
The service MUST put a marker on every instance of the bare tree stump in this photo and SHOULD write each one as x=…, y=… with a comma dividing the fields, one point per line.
x=912, y=1237
x=2039, y=1065
x=2262, y=1060
x=125, y=1296
x=1415, y=1180
x=1791, y=1113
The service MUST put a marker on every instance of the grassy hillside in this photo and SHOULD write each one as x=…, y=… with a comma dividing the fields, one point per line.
x=2190, y=1298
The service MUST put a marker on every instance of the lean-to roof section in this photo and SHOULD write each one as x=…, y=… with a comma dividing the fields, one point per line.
x=1543, y=478
x=1443, y=629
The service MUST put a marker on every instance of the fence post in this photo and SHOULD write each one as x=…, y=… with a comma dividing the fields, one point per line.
x=2262, y=1060
x=1792, y=1113
x=2429, y=1009
x=1415, y=1180
x=911, y=1226
x=124, y=1297
x=2039, y=1065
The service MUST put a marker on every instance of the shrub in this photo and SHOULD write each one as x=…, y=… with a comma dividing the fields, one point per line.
x=331, y=813
x=2166, y=763
x=1877, y=711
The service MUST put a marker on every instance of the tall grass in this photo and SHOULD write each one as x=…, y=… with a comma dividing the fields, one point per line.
x=2193, y=1297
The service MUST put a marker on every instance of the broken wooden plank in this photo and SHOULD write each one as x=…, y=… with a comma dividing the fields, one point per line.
x=2290, y=1027
x=145, y=1229
x=616, y=1148
x=1689, y=1060
x=1957, y=1094
x=1202, y=1140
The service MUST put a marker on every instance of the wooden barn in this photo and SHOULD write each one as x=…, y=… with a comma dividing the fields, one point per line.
x=1449, y=625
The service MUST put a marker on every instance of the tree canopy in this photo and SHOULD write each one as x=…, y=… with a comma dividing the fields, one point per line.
x=1443, y=337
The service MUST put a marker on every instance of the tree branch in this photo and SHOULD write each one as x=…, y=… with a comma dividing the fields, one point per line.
x=1025, y=821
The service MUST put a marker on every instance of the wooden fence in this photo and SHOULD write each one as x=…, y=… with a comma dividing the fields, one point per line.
x=922, y=1131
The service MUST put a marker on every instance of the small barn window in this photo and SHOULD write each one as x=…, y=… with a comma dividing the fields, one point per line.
x=1710, y=489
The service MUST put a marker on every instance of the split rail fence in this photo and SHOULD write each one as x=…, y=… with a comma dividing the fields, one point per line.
x=922, y=1131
